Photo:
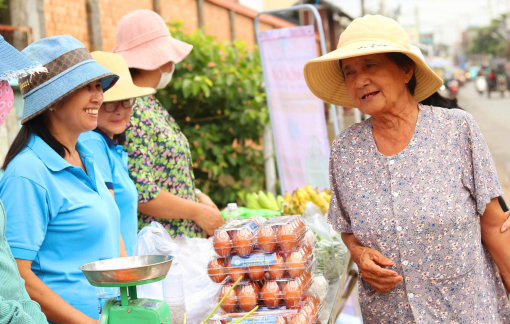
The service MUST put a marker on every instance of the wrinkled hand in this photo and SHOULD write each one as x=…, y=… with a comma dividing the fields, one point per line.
x=204, y=199
x=369, y=261
x=506, y=224
x=209, y=219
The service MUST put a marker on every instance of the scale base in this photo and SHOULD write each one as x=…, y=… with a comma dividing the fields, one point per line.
x=139, y=311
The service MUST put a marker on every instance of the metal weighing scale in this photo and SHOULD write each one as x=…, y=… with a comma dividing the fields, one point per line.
x=127, y=273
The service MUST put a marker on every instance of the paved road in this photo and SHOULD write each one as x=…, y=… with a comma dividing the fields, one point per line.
x=493, y=117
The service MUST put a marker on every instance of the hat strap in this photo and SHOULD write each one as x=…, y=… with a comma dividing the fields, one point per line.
x=140, y=39
x=55, y=67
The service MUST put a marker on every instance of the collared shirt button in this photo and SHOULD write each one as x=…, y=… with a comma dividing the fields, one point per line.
x=395, y=194
x=411, y=295
x=399, y=228
x=405, y=263
x=391, y=162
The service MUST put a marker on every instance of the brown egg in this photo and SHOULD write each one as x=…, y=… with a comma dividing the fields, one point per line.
x=286, y=237
x=271, y=294
x=292, y=293
x=295, y=264
x=306, y=278
x=256, y=287
x=214, y=322
x=235, y=272
x=222, y=243
x=247, y=298
x=299, y=227
x=299, y=319
x=313, y=299
x=307, y=251
x=256, y=272
x=216, y=270
x=267, y=239
x=309, y=309
x=277, y=269
x=243, y=241
x=281, y=320
x=230, y=302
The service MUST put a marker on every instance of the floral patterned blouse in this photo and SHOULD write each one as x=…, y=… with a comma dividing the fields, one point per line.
x=159, y=158
x=421, y=208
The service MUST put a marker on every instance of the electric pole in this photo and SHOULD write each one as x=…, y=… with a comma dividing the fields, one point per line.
x=362, y=8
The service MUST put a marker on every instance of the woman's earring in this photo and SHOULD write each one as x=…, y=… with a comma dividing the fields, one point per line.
x=51, y=109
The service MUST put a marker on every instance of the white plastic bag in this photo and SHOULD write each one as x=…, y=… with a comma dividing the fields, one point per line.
x=191, y=256
x=330, y=250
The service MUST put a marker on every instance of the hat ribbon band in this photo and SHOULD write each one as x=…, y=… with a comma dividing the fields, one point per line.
x=55, y=67
x=147, y=37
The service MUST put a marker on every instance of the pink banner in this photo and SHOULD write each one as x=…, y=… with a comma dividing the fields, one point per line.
x=297, y=116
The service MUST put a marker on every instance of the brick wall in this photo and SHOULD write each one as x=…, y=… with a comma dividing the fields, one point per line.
x=217, y=21
x=68, y=17
x=111, y=11
x=185, y=10
x=64, y=17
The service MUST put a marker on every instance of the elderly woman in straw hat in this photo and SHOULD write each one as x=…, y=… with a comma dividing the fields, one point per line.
x=107, y=139
x=60, y=214
x=160, y=161
x=414, y=187
x=15, y=305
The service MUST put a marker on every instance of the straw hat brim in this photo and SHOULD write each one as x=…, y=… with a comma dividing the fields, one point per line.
x=126, y=91
x=325, y=78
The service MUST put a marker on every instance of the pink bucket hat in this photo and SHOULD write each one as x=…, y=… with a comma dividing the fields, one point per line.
x=144, y=41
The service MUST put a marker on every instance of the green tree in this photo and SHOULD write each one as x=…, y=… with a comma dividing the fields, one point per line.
x=490, y=39
x=218, y=100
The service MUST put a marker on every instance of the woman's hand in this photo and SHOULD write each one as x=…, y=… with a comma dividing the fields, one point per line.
x=209, y=219
x=204, y=199
x=506, y=224
x=370, y=262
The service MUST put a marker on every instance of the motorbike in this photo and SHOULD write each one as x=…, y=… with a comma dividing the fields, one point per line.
x=453, y=87
x=501, y=84
x=481, y=84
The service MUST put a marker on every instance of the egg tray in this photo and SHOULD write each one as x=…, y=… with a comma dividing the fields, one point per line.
x=286, y=316
x=222, y=270
x=267, y=236
x=271, y=295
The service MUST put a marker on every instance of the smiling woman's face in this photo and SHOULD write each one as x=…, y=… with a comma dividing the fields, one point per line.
x=375, y=83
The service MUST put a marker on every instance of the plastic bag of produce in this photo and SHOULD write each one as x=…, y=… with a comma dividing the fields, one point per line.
x=191, y=257
x=330, y=250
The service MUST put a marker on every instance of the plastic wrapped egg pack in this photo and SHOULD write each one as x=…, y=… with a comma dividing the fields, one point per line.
x=306, y=310
x=279, y=234
x=261, y=266
x=269, y=294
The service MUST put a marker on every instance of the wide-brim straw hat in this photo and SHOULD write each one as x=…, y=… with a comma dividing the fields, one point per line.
x=15, y=65
x=144, y=41
x=365, y=36
x=124, y=88
x=70, y=67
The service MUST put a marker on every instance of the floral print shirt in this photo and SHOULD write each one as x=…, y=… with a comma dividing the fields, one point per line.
x=159, y=157
x=421, y=209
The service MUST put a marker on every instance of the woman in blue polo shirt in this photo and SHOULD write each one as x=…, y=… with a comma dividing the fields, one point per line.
x=60, y=214
x=104, y=141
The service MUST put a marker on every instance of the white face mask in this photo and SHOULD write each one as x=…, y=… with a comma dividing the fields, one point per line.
x=165, y=79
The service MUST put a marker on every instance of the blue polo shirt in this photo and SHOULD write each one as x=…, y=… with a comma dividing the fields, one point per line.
x=60, y=218
x=112, y=162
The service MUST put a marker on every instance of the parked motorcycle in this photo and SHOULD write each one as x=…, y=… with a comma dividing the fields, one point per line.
x=501, y=84
x=481, y=84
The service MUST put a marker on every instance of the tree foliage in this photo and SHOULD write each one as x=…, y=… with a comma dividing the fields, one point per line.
x=218, y=100
x=490, y=39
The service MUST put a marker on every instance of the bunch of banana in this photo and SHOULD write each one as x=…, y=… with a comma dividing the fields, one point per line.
x=301, y=196
x=264, y=201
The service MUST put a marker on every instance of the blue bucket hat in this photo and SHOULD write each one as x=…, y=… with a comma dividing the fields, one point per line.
x=15, y=65
x=70, y=67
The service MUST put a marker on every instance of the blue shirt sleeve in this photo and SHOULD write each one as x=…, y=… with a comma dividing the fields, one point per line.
x=27, y=221
x=102, y=157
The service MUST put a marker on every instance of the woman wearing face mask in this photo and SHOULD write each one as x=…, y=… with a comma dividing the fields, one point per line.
x=60, y=214
x=106, y=145
x=159, y=155
x=16, y=307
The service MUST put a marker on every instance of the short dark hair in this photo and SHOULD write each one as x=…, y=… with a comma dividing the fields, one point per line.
x=134, y=71
x=402, y=61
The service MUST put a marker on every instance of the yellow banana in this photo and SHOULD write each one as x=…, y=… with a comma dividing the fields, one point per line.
x=325, y=196
x=272, y=201
x=302, y=194
x=264, y=201
x=252, y=202
x=280, y=202
x=288, y=197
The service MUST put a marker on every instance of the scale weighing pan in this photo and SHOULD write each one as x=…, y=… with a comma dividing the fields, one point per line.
x=121, y=271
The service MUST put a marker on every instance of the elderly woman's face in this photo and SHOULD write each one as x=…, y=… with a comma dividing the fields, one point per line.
x=375, y=82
